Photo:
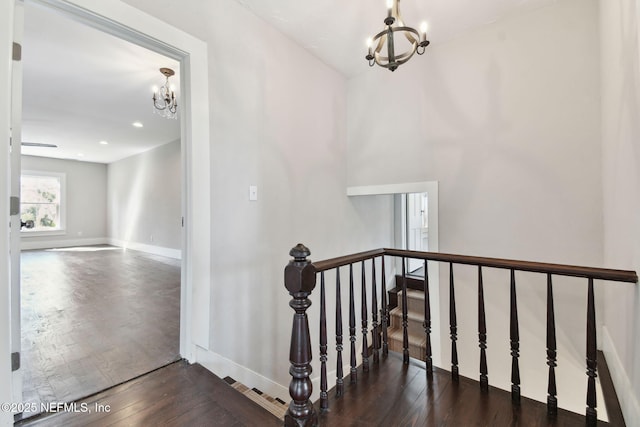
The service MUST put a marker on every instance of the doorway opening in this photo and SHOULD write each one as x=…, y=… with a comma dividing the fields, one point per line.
x=413, y=210
x=130, y=24
x=101, y=274
x=415, y=205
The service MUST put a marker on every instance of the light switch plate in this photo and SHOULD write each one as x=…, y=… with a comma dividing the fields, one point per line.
x=253, y=192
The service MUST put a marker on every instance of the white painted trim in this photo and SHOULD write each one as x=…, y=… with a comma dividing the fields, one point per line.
x=150, y=249
x=15, y=184
x=6, y=39
x=222, y=367
x=26, y=244
x=408, y=187
x=626, y=396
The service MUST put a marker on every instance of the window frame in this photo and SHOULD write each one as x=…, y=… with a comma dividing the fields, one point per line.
x=62, y=229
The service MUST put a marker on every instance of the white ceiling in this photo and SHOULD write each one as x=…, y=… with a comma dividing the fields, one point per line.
x=82, y=86
x=336, y=30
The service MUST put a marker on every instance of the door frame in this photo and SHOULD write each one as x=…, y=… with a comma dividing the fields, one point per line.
x=133, y=25
x=400, y=189
x=6, y=62
x=16, y=223
x=128, y=23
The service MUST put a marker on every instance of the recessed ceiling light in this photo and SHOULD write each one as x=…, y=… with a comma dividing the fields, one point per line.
x=80, y=155
x=104, y=143
x=137, y=124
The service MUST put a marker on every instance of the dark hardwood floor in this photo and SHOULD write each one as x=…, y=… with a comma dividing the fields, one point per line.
x=176, y=395
x=393, y=394
x=93, y=317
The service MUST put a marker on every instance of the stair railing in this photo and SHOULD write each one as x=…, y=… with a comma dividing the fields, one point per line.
x=300, y=281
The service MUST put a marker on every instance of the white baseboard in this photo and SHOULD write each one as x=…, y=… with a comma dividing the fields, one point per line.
x=627, y=398
x=26, y=243
x=223, y=367
x=150, y=249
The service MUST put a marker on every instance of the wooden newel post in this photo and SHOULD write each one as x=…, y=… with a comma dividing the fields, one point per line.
x=300, y=279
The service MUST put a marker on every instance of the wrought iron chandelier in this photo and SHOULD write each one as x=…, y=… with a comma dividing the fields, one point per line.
x=395, y=27
x=164, y=99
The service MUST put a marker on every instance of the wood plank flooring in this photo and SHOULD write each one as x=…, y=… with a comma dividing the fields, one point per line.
x=93, y=317
x=390, y=394
x=176, y=395
x=393, y=394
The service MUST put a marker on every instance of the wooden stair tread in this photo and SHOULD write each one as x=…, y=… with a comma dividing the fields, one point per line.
x=411, y=315
x=397, y=334
x=412, y=293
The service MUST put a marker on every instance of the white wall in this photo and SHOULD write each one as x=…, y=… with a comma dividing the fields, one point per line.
x=507, y=119
x=144, y=200
x=621, y=162
x=278, y=120
x=86, y=202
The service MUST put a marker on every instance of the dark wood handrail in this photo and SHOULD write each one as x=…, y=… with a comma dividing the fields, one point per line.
x=509, y=264
x=300, y=280
x=536, y=267
x=346, y=260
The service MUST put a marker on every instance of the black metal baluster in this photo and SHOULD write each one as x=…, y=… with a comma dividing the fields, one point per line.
x=552, y=400
x=453, y=325
x=515, y=343
x=482, y=334
x=384, y=313
x=339, y=373
x=324, y=396
x=427, y=321
x=352, y=327
x=365, y=328
x=405, y=317
x=592, y=364
x=375, y=329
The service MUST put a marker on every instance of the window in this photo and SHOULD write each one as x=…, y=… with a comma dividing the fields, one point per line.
x=416, y=228
x=42, y=201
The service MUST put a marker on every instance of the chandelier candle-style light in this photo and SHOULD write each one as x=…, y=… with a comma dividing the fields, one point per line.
x=164, y=99
x=395, y=27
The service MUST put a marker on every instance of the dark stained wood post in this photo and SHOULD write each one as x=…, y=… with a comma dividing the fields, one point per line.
x=324, y=396
x=384, y=312
x=339, y=373
x=300, y=280
x=405, y=316
x=592, y=363
x=514, y=335
x=453, y=325
x=353, y=374
x=375, y=329
x=552, y=399
x=427, y=321
x=363, y=315
x=482, y=334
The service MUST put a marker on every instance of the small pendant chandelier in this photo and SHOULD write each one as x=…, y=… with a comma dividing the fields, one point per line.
x=164, y=99
x=395, y=27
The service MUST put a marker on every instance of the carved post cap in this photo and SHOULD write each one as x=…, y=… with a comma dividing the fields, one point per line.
x=300, y=252
x=300, y=274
